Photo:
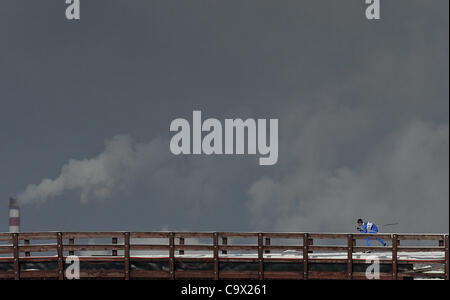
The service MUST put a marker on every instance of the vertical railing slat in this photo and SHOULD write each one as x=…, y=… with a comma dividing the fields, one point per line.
x=350, y=257
x=224, y=242
x=172, y=256
x=114, y=242
x=181, y=240
x=27, y=243
x=260, y=257
x=446, y=258
x=305, y=255
x=394, y=256
x=126, y=254
x=310, y=243
x=59, y=242
x=15, y=239
x=267, y=244
x=71, y=242
x=216, y=255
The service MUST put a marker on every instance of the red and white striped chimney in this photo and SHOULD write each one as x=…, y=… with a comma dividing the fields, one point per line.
x=14, y=216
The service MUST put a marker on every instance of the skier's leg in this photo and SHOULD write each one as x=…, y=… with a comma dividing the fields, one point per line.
x=381, y=241
x=375, y=230
x=368, y=241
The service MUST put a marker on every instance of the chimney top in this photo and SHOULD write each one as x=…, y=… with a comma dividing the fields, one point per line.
x=13, y=203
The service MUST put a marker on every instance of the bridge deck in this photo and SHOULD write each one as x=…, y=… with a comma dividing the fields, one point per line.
x=214, y=255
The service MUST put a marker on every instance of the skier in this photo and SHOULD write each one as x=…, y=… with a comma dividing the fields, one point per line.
x=368, y=227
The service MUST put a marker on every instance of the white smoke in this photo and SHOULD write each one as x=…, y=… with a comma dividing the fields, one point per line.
x=404, y=179
x=99, y=177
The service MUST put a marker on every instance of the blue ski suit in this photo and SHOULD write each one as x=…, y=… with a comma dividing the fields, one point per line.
x=371, y=228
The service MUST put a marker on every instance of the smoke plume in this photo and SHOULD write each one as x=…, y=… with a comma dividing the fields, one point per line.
x=99, y=177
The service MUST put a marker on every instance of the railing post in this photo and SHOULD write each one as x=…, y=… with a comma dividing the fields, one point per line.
x=59, y=242
x=126, y=254
x=350, y=257
x=260, y=257
x=216, y=254
x=172, y=255
x=394, y=256
x=181, y=252
x=446, y=258
x=224, y=242
x=71, y=242
x=305, y=256
x=310, y=243
x=15, y=238
x=114, y=242
x=27, y=243
x=267, y=244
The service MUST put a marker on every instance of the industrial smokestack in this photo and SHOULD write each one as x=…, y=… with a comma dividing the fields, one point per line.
x=14, y=216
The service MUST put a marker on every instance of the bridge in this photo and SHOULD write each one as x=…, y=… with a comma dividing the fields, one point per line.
x=222, y=255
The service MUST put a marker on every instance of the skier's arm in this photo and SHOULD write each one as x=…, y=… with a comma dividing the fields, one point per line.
x=363, y=229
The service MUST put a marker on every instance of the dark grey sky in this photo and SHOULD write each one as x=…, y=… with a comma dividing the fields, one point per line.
x=363, y=109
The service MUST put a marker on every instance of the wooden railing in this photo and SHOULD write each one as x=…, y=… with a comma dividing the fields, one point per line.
x=19, y=249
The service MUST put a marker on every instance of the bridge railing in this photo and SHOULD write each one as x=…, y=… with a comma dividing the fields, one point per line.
x=123, y=251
